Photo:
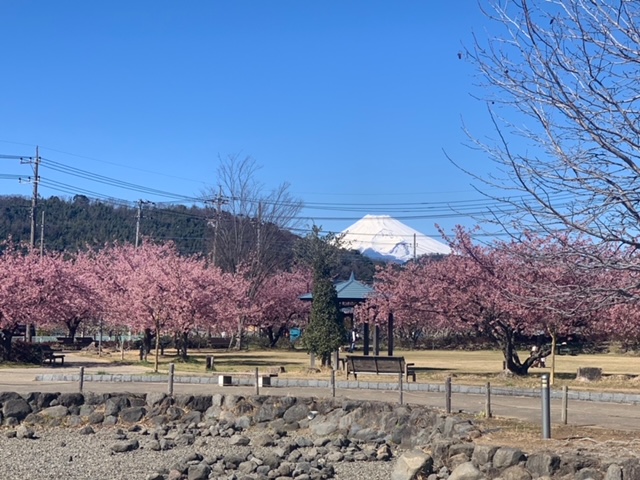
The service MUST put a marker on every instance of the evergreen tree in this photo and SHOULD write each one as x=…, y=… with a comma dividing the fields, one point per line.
x=325, y=332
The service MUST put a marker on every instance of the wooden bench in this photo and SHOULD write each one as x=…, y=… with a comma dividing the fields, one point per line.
x=49, y=355
x=219, y=342
x=264, y=379
x=379, y=365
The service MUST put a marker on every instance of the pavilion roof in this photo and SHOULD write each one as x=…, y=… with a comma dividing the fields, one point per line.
x=349, y=290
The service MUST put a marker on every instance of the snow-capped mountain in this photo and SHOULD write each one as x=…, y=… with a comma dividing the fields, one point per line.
x=382, y=237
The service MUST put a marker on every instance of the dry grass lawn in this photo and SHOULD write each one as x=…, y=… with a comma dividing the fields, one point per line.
x=469, y=367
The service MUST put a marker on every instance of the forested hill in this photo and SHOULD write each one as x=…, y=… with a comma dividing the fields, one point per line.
x=72, y=224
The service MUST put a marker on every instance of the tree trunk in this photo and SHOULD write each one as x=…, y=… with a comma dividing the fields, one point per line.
x=183, y=346
x=554, y=342
x=72, y=327
x=156, y=361
x=5, y=344
x=146, y=343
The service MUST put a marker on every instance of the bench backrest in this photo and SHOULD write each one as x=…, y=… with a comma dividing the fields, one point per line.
x=375, y=364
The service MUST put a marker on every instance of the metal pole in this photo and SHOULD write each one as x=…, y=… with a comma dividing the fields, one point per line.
x=400, y=388
x=447, y=395
x=487, y=402
x=546, y=407
x=333, y=383
x=171, y=372
x=565, y=404
x=81, y=379
x=257, y=382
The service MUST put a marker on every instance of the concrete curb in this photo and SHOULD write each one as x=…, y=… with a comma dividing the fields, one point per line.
x=247, y=380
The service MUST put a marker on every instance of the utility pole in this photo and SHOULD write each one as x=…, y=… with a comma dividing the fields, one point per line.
x=414, y=247
x=42, y=236
x=34, y=200
x=219, y=200
x=259, y=233
x=138, y=218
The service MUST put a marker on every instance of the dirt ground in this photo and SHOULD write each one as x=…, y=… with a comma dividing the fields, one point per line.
x=564, y=439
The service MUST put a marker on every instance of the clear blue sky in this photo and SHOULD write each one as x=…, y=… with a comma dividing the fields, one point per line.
x=350, y=102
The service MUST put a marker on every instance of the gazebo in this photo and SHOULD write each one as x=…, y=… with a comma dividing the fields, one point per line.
x=350, y=293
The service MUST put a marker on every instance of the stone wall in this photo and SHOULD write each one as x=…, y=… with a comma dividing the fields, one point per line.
x=423, y=442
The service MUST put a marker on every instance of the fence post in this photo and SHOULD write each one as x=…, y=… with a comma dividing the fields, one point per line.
x=546, y=407
x=487, y=403
x=400, y=387
x=257, y=382
x=447, y=395
x=81, y=379
x=333, y=383
x=565, y=404
x=171, y=373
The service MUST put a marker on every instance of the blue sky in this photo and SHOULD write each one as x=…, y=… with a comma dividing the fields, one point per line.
x=352, y=103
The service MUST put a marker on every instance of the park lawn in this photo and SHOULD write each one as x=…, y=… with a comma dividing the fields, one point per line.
x=465, y=367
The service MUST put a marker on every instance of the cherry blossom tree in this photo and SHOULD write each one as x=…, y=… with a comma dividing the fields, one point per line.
x=279, y=303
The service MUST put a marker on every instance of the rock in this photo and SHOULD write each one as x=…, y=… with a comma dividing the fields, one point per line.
x=113, y=405
x=239, y=440
x=87, y=430
x=59, y=411
x=543, y=463
x=17, y=408
x=200, y=471
x=95, y=418
x=132, y=414
x=614, y=472
x=483, y=454
x=25, y=432
x=507, y=457
x=516, y=473
x=466, y=471
x=263, y=440
x=588, y=474
x=125, y=446
x=155, y=398
x=71, y=399
x=11, y=434
x=155, y=476
x=412, y=463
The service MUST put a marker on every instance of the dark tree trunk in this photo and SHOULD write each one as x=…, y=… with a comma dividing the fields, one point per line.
x=183, y=346
x=5, y=344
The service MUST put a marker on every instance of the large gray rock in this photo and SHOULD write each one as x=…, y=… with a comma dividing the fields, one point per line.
x=59, y=411
x=483, y=454
x=25, y=432
x=516, y=473
x=155, y=398
x=125, y=446
x=543, y=463
x=466, y=471
x=614, y=472
x=71, y=399
x=114, y=405
x=507, y=457
x=200, y=471
x=132, y=414
x=17, y=408
x=412, y=463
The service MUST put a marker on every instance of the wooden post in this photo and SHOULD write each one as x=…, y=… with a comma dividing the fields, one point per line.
x=376, y=340
x=390, y=335
x=171, y=373
x=312, y=360
x=257, y=382
x=333, y=383
x=81, y=379
x=447, y=395
x=400, y=375
x=565, y=404
x=487, y=402
x=335, y=360
x=365, y=339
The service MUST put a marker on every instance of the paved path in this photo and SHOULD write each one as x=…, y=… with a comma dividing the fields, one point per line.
x=618, y=416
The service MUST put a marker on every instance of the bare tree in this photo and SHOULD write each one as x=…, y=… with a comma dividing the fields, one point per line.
x=251, y=224
x=563, y=94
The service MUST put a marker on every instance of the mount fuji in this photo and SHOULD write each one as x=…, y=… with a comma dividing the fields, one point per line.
x=381, y=237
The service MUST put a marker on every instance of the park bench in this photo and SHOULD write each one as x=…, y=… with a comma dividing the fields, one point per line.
x=219, y=342
x=50, y=355
x=264, y=379
x=379, y=365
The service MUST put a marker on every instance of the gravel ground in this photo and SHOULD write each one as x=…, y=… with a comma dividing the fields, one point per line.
x=64, y=454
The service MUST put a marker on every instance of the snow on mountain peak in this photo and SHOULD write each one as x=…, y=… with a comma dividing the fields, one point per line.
x=382, y=237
